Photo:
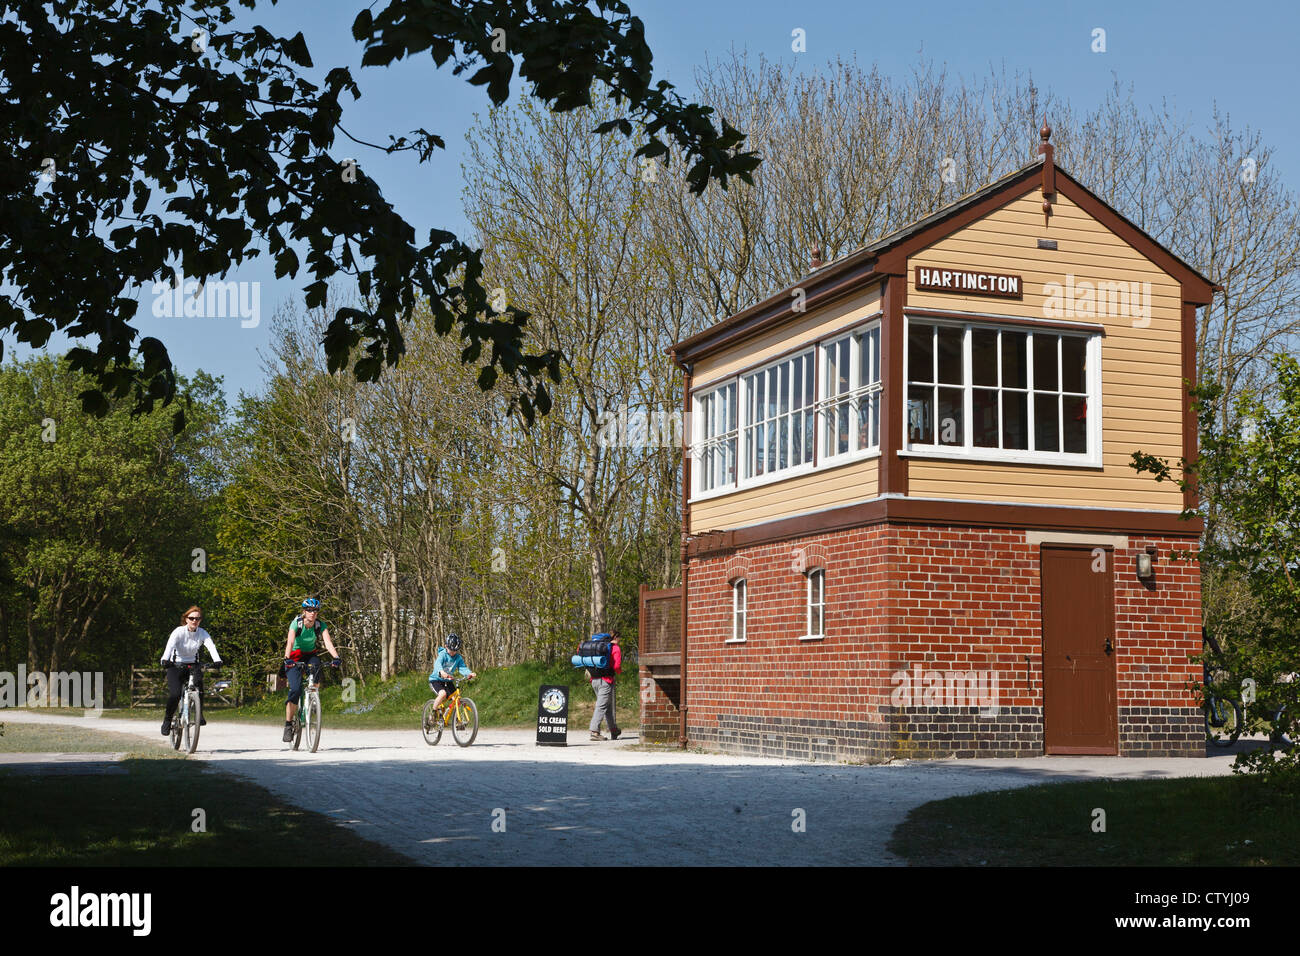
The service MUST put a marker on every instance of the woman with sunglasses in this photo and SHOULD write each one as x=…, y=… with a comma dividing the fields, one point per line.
x=182, y=653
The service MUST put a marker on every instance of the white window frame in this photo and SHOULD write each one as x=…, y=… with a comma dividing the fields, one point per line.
x=703, y=445
x=968, y=451
x=860, y=391
x=746, y=398
x=817, y=573
x=739, y=611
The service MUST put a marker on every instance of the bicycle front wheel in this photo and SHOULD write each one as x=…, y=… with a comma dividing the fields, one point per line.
x=431, y=723
x=313, y=722
x=178, y=719
x=464, y=723
x=1278, y=730
x=192, y=722
x=1224, y=721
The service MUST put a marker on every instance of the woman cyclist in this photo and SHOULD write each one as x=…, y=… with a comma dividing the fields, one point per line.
x=182, y=653
x=306, y=633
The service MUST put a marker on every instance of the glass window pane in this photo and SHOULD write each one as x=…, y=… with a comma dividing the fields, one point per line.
x=1015, y=420
x=1045, y=363
x=771, y=446
x=863, y=419
x=874, y=336
x=950, y=355
x=1013, y=360
x=920, y=353
x=841, y=428
x=796, y=439
x=920, y=415
x=783, y=441
x=875, y=420
x=984, y=417
x=731, y=405
x=951, y=417
x=808, y=436
x=1074, y=353
x=759, y=409
x=772, y=387
x=808, y=382
x=843, y=357
x=1076, y=425
x=984, y=356
x=1047, y=433
x=783, y=388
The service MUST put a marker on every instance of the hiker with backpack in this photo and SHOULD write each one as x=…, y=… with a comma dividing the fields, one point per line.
x=602, y=681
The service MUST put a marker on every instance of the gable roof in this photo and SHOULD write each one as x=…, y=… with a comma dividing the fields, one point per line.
x=888, y=256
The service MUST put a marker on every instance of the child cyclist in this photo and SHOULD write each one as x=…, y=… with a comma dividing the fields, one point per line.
x=448, y=664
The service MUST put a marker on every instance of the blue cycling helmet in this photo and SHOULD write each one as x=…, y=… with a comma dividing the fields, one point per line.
x=311, y=604
x=453, y=643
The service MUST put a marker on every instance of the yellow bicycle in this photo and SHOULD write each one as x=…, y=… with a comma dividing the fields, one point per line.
x=460, y=712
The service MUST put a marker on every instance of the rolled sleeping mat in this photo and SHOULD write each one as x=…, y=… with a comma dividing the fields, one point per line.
x=593, y=648
x=587, y=660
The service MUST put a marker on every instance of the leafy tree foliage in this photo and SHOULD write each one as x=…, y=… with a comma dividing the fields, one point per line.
x=101, y=520
x=173, y=143
x=1252, y=469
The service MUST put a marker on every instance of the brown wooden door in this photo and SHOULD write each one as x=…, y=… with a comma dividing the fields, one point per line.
x=1078, y=605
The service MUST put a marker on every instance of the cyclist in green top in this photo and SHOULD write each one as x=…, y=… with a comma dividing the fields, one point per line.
x=306, y=632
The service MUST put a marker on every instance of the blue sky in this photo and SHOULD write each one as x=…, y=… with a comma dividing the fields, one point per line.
x=1191, y=54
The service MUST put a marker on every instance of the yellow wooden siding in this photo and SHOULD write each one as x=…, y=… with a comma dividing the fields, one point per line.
x=807, y=329
x=1142, y=391
x=826, y=488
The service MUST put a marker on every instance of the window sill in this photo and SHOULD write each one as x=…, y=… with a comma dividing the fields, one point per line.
x=983, y=456
x=813, y=637
x=824, y=464
x=734, y=640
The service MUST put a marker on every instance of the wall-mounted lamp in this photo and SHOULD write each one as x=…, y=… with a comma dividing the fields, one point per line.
x=1145, y=563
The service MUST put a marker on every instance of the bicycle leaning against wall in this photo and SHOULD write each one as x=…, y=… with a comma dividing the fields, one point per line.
x=1225, y=711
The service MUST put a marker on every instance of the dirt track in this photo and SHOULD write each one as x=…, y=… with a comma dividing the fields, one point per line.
x=601, y=803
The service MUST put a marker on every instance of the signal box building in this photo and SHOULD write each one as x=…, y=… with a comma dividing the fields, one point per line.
x=910, y=523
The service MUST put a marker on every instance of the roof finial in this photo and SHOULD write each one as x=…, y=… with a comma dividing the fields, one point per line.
x=1049, y=167
x=816, y=254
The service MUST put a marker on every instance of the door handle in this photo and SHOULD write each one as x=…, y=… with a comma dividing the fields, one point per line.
x=1109, y=647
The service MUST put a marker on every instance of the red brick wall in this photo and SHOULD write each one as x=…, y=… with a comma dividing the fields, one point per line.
x=946, y=599
x=660, y=719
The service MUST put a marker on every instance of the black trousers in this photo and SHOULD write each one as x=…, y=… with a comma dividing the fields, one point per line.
x=178, y=678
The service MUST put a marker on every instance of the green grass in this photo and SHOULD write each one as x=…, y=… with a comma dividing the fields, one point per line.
x=62, y=738
x=505, y=697
x=144, y=817
x=1211, y=821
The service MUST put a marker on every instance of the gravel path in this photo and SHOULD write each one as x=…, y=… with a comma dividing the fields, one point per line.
x=602, y=803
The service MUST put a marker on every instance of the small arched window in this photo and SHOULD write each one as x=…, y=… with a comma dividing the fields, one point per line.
x=738, y=609
x=816, y=602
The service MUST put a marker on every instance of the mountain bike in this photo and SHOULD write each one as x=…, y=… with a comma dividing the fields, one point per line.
x=308, y=717
x=1225, y=718
x=189, y=714
x=456, y=710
